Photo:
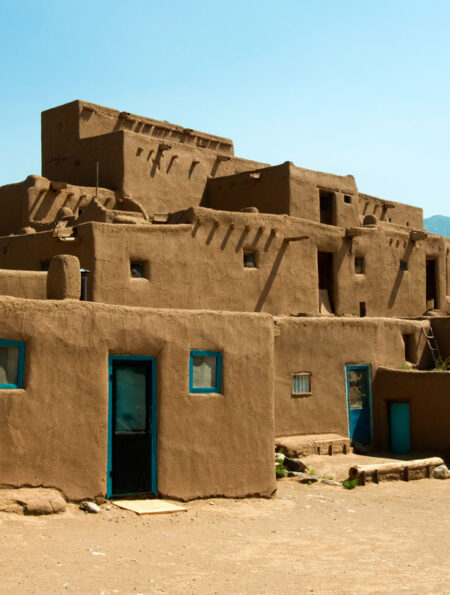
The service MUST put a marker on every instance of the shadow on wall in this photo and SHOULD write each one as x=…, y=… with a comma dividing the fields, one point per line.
x=271, y=277
x=400, y=274
x=241, y=242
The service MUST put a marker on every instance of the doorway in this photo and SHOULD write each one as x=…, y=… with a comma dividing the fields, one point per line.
x=359, y=403
x=326, y=282
x=431, y=287
x=399, y=418
x=327, y=207
x=132, y=426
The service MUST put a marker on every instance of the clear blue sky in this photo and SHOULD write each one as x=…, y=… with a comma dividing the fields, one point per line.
x=340, y=86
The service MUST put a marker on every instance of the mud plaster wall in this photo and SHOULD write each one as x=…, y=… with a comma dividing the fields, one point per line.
x=429, y=396
x=54, y=432
x=323, y=347
x=207, y=256
x=138, y=165
x=391, y=212
x=23, y=284
x=33, y=252
x=285, y=189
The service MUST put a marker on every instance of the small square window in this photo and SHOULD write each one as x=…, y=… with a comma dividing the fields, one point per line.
x=359, y=265
x=250, y=259
x=12, y=359
x=205, y=372
x=347, y=199
x=403, y=265
x=139, y=269
x=44, y=265
x=301, y=384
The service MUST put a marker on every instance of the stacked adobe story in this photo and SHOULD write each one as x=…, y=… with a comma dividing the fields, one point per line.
x=168, y=310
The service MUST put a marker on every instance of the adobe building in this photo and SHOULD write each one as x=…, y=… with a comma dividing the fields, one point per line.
x=169, y=311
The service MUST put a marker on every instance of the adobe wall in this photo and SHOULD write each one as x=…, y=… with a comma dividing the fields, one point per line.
x=390, y=211
x=285, y=189
x=55, y=431
x=163, y=166
x=36, y=203
x=31, y=251
x=429, y=396
x=323, y=347
x=23, y=284
x=203, y=249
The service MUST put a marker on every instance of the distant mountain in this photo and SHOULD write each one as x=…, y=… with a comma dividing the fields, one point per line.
x=438, y=224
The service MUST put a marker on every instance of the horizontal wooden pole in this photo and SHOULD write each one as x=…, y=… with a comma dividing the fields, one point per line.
x=383, y=468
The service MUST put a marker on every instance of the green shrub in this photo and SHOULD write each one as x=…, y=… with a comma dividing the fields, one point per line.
x=442, y=365
x=280, y=471
x=350, y=484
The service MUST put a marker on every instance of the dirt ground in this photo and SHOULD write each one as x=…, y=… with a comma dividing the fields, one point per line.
x=388, y=538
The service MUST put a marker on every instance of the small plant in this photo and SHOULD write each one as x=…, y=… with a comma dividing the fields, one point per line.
x=280, y=471
x=350, y=484
x=311, y=471
x=442, y=365
x=404, y=366
x=330, y=477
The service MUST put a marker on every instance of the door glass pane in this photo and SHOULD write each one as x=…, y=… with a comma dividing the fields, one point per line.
x=358, y=392
x=204, y=371
x=131, y=398
x=9, y=364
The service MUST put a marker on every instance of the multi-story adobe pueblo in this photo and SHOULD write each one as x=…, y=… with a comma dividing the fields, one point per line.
x=169, y=310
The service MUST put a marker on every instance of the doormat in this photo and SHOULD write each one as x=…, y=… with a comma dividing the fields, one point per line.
x=153, y=506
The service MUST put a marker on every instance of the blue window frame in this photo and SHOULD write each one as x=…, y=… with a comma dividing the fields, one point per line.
x=12, y=363
x=205, y=371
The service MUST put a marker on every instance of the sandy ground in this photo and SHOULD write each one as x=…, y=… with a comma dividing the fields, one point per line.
x=388, y=538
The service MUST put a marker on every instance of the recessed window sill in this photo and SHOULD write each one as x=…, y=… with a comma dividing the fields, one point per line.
x=11, y=388
x=300, y=395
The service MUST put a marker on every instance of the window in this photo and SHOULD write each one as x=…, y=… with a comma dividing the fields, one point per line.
x=359, y=265
x=12, y=360
x=205, y=372
x=403, y=265
x=362, y=309
x=250, y=259
x=139, y=269
x=347, y=199
x=301, y=384
x=84, y=284
x=44, y=265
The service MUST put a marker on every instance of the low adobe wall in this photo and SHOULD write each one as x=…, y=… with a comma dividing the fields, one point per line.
x=54, y=432
x=24, y=284
x=323, y=347
x=429, y=396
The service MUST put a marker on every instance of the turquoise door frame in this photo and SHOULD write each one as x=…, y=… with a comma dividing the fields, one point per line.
x=359, y=403
x=153, y=470
x=400, y=432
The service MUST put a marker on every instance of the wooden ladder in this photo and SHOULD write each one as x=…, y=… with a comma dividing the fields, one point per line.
x=432, y=344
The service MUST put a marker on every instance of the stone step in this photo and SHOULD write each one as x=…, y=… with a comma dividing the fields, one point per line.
x=313, y=444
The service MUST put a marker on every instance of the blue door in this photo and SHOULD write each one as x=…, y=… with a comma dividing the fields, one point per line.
x=132, y=426
x=400, y=429
x=359, y=403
